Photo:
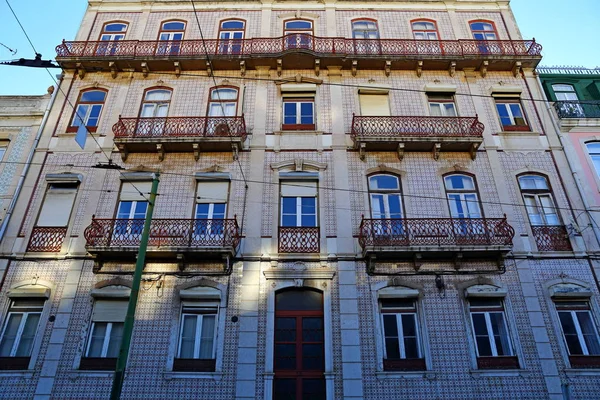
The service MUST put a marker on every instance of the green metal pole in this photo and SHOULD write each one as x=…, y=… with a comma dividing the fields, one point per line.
x=117, y=386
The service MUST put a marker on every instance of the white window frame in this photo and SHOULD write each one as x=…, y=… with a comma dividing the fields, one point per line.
x=298, y=213
x=299, y=102
x=536, y=194
x=506, y=104
x=578, y=330
x=462, y=197
x=490, y=331
x=105, y=343
x=198, y=334
x=399, y=327
x=106, y=36
x=19, y=333
x=368, y=31
x=386, y=193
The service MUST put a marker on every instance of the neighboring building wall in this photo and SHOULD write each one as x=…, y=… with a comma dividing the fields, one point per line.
x=525, y=275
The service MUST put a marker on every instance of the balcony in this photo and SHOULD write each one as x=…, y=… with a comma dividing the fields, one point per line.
x=551, y=238
x=47, y=239
x=177, y=134
x=299, y=239
x=298, y=51
x=416, y=133
x=577, y=109
x=435, y=238
x=171, y=240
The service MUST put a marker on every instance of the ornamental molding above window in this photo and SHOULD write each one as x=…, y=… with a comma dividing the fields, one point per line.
x=299, y=14
x=299, y=165
x=566, y=287
x=485, y=291
x=287, y=274
x=27, y=291
x=297, y=80
x=440, y=88
x=64, y=177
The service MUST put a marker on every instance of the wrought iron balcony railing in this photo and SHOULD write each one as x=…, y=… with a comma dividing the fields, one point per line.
x=325, y=46
x=409, y=232
x=577, y=109
x=299, y=239
x=416, y=126
x=47, y=238
x=180, y=127
x=181, y=233
x=551, y=237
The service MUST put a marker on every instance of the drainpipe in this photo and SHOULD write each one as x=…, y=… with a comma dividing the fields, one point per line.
x=571, y=163
x=13, y=202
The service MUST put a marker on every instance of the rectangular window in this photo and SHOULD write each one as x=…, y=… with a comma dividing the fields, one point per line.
x=211, y=208
x=106, y=333
x=197, y=337
x=58, y=204
x=374, y=105
x=299, y=114
x=19, y=330
x=131, y=211
x=299, y=204
x=441, y=105
x=579, y=330
x=512, y=117
x=402, y=347
x=490, y=330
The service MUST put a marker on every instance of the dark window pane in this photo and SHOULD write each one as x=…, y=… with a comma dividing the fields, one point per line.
x=392, y=348
x=390, y=327
x=411, y=348
x=232, y=25
x=298, y=25
x=409, y=327
x=173, y=26
x=397, y=303
x=289, y=205
x=294, y=300
x=313, y=389
x=312, y=357
x=384, y=182
x=285, y=329
x=115, y=28
x=93, y=95
x=285, y=356
x=312, y=329
x=483, y=345
x=284, y=389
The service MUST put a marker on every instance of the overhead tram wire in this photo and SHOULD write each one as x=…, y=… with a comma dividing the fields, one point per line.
x=110, y=161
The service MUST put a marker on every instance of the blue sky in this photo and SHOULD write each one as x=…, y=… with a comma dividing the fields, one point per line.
x=567, y=30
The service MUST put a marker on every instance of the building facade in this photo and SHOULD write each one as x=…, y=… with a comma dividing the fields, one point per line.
x=354, y=203
x=575, y=93
x=21, y=118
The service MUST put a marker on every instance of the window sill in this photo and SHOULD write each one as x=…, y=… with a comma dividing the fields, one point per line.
x=24, y=373
x=405, y=375
x=169, y=375
x=576, y=372
x=298, y=132
x=73, y=129
x=518, y=133
x=78, y=373
x=477, y=373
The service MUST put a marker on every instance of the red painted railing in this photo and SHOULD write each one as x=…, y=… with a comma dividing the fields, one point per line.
x=180, y=127
x=551, y=238
x=435, y=232
x=416, y=126
x=298, y=42
x=47, y=238
x=299, y=239
x=193, y=233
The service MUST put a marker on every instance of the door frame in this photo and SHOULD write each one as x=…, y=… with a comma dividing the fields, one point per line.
x=322, y=286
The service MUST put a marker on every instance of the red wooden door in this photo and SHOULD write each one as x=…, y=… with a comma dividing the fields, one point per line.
x=299, y=356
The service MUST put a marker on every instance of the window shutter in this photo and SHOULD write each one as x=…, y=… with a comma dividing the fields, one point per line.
x=212, y=192
x=109, y=311
x=299, y=189
x=374, y=105
x=57, y=206
x=130, y=193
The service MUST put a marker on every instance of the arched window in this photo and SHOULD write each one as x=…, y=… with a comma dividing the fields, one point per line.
x=113, y=31
x=231, y=34
x=425, y=29
x=88, y=109
x=538, y=200
x=223, y=102
x=170, y=36
x=171, y=30
x=299, y=348
x=386, y=196
x=156, y=103
x=593, y=149
x=462, y=196
x=365, y=29
x=298, y=33
x=483, y=30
